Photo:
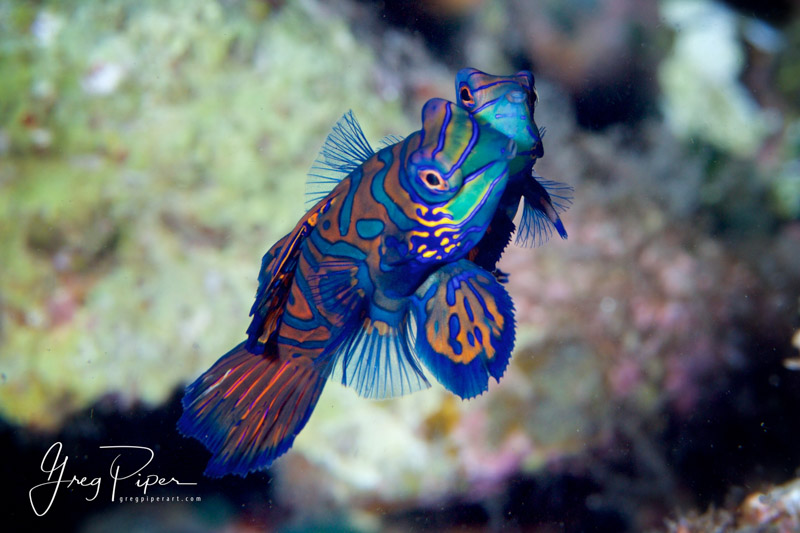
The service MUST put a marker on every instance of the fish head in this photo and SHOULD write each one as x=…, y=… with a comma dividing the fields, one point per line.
x=505, y=104
x=456, y=177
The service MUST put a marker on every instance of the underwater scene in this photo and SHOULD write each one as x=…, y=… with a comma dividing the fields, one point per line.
x=363, y=266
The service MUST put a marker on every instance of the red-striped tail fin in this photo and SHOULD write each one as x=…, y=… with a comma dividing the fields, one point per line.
x=247, y=408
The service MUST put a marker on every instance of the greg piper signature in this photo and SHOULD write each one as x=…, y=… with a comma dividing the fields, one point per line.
x=54, y=465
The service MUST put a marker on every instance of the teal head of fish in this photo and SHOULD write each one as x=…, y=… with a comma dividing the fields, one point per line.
x=372, y=288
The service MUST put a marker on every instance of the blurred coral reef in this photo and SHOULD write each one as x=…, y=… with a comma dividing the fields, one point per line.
x=145, y=171
x=151, y=152
x=775, y=510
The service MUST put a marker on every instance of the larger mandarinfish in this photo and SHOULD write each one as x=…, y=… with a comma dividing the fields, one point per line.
x=370, y=287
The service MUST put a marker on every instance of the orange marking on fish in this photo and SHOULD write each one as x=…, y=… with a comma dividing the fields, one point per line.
x=280, y=372
x=247, y=392
x=238, y=382
x=320, y=333
x=260, y=422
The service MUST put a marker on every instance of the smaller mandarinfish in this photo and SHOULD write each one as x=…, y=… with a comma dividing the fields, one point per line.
x=507, y=104
x=370, y=287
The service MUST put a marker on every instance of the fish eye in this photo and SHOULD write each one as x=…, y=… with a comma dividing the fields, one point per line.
x=432, y=179
x=466, y=96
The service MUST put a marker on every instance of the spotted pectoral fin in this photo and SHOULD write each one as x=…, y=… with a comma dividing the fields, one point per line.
x=465, y=327
x=275, y=279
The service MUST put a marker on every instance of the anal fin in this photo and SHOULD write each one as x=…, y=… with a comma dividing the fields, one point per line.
x=377, y=360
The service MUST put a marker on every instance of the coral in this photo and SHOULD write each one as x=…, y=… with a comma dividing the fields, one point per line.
x=703, y=96
x=776, y=510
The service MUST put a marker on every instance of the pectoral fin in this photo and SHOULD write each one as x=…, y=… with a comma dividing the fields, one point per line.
x=544, y=201
x=371, y=352
x=465, y=327
x=335, y=288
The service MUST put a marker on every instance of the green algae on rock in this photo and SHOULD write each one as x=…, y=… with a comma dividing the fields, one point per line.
x=152, y=149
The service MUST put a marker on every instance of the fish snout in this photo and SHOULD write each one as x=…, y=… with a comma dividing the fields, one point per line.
x=515, y=97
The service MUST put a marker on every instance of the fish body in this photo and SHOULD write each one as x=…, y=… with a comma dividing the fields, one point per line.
x=506, y=104
x=372, y=287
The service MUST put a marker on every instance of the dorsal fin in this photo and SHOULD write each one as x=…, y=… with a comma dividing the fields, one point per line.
x=276, y=277
x=389, y=140
x=344, y=150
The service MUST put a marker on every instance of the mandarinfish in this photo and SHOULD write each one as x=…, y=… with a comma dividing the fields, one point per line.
x=506, y=104
x=372, y=287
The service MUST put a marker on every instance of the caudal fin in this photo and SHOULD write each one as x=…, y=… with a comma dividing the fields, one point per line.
x=247, y=409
